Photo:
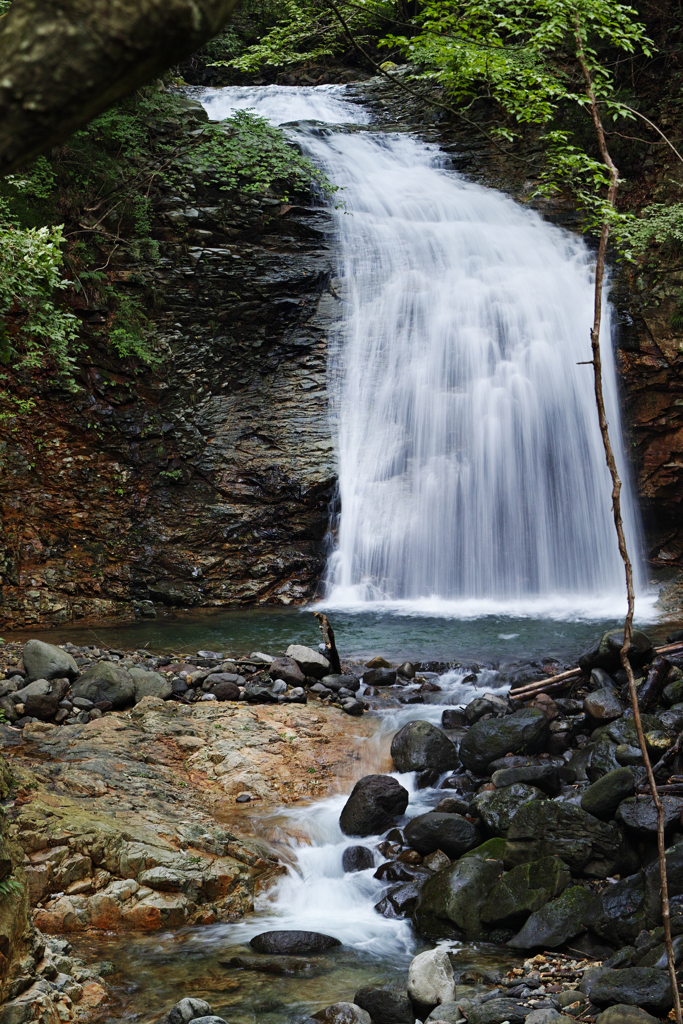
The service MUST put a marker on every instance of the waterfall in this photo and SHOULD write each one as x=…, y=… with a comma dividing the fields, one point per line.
x=471, y=469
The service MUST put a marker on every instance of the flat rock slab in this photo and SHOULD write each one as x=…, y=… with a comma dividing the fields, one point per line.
x=292, y=942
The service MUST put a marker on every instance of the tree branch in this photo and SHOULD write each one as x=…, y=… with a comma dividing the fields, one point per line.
x=62, y=62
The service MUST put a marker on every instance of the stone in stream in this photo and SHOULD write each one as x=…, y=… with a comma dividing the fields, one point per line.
x=493, y=1011
x=373, y=806
x=420, y=745
x=525, y=889
x=489, y=704
x=379, y=677
x=646, y=987
x=640, y=814
x=185, y=1011
x=287, y=669
x=453, y=718
x=297, y=695
x=450, y=902
x=292, y=941
x=105, y=681
x=278, y=964
x=385, y=1006
x=430, y=981
x=45, y=661
x=603, y=706
x=544, y=776
x=400, y=901
x=399, y=871
x=341, y=682
x=498, y=807
x=555, y=923
x=606, y=654
x=342, y=1013
x=357, y=858
x=604, y=796
x=492, y=738
x=451, y=833
x=309, y=661
x=353, y=707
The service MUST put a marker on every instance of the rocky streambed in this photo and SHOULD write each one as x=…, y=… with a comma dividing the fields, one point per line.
x=150, y=797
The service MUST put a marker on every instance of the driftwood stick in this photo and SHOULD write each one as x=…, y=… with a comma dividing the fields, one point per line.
x=540, y=684
x=328, y=637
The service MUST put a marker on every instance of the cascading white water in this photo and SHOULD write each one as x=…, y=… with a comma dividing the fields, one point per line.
x=470, y=462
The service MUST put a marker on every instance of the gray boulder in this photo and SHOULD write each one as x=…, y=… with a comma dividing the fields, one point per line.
x=544, y=828
x=341, y=682
x=490, y=739
x=38, y=688
x=150, y=684
x=342, y=1013
x=400, y=900
x=287, y=669
x=525, y=889
x=291, y=942
x=450, y=903
x=185, y=1011
x=375, y=803
x=606, y=652
x=105, y=681
x=646, y=987
x=603, y=758
x=451, y=833
x=620, y=1013
x=603, y=706
x=419, y=746
x=493, y=1011
x=309, y=661
x=544, y=776
x=620, y=911
x=44, y=661
x=640, y=814
x=498, y=807
x=604, y=796
x=357, y=858
x=556, y=922
x=385, y=1006
x=489, y=704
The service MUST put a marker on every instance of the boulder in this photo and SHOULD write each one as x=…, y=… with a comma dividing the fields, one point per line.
x=450, y=903
x=646, y=987
x=606, y=652
x=492, y=738
x=419, y=746
x=309, y=661
x=341, y=682
x=556, y=922
x=400, y=901
x=223, y=690
x=498, y=807
x=544, y=776
x=604, y=796
x=42, y=706
x=342, y=1013
x=258, y=693
x=290, y=942
x=454, y=718
x=185, y=1011
x=379, y=677
x=373, y=806
x=603, y=706
x=640, y=814
x=620, y=911
x=105, y=681
x=44, y=661
x=357, y=858
x=430, y=981
x=287, y=669
x=489, y=704
x=493, y=1011
x=38, y=688
x=525, y=889
x=544, y=828
x=620, y=1013
x=150, y=684
x=385, y=1006
x=451, y=833
x=603, y=758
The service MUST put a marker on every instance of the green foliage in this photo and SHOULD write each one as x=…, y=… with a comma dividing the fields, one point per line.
x=34, y=330
x=248, y=153
x=130, y=334
x=9, y=887
x=37, y=180
x=659, y=224
x=4, y=7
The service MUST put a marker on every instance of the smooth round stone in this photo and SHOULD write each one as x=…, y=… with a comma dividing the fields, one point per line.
x=292, y=941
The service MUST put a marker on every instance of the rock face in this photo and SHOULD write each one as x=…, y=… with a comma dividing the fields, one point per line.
x=375, y=803
x=553, y=924
x=419, y=746
x=44, y=661
x=290, y=942
x=448, y=832
x=490, y=739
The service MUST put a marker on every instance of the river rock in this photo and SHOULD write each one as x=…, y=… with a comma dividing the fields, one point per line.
x=453, y=718
x=603, y=706
x=150, y=684
x=38, y=688
x=604, y=796
x=640, y=814
x=544, y=828
x=221, y=689
x=309, y=661
x=385, y=1006
x=292, y=942
x=544, y=776
x=673, y=692
x=186, y=1010
x=399, y=871
x=646, y=987
x=620, y=1013
x=420, y=745
x=489, y=704
x=448, y=832
x=379, y=677
x=277, y=964
x=525, y=889
x=493, y=738
x=357, y=858
x=493, y=1011
x=430, y=981
x=258, y=693
x=105, y=681
x=606, y=653
x=341, y=682
x=42, y=706
x=401, y=900
x=355, y=708
x=556, y=922
x=342, y=1013
x=211, y=1019
x=287, y=669
x=498, y=807
x=44, y=661
x=373, y=806
x=603, y=758
x=620, y=911
x=450, y=903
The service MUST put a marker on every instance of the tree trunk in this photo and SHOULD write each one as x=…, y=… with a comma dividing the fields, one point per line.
x=62, y=62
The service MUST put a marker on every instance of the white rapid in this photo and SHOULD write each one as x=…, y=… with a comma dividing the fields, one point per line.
x=471, y=472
